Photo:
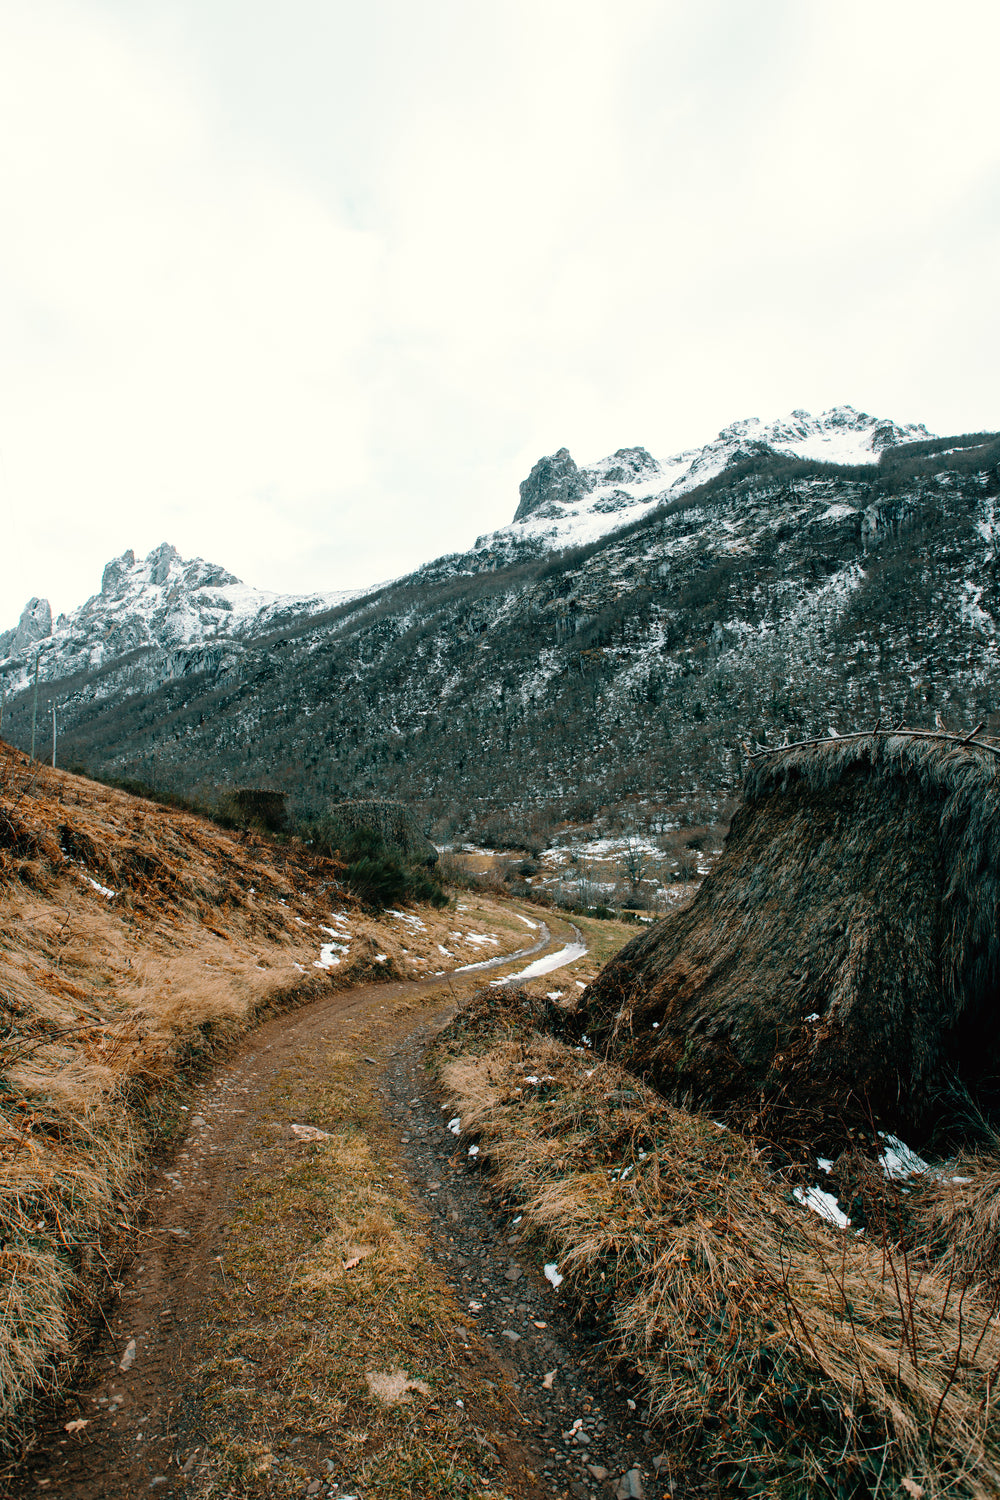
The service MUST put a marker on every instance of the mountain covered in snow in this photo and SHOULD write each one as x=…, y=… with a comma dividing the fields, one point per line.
x=608, y=654
x=178, y=605
x=162, y=602
x=563, y=505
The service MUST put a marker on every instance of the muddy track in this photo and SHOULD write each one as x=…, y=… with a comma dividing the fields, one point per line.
x=128, y=1429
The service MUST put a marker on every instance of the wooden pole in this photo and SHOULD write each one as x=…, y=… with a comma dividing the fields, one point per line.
x=34, y=709
x=863, y=734
x=53, y=734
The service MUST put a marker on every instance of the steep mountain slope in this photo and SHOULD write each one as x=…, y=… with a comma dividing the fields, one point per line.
x=781, y=594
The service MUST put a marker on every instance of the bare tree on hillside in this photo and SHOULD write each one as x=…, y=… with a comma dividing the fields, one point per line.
x=634, y=864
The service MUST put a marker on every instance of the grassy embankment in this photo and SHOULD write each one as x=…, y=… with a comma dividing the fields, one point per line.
x=787, y=1356
x=135, y=941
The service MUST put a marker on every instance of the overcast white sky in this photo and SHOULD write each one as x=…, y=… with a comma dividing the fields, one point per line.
x=306, y=286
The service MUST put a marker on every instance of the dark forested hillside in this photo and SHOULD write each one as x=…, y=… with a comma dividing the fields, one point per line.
x=781, y=597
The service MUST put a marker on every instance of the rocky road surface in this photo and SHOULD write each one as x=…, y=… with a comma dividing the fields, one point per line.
x=581, y=1434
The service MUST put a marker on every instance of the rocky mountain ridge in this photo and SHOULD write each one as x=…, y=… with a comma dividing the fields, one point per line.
x=161, y=602
x=620, y=676
x=562, y=504
x=167, y=601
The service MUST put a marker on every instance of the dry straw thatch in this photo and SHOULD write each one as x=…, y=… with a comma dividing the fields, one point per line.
x=842, y=960
x=257, y=807
x=391, y=821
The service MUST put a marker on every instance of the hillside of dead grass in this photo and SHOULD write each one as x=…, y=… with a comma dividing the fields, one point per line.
x=134, y=940
x=787, y=1356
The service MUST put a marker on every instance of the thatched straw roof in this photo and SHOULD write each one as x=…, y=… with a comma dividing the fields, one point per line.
x=258, y=807
x=392, y=821
x=843, y=957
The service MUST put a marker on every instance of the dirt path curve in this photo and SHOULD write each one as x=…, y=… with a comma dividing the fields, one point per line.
x=161, y=1409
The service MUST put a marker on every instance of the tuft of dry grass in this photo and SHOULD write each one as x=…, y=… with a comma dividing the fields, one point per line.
x=958, y=1218
x=794, y=1357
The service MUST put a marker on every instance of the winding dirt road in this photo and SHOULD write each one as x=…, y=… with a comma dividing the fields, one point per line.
x=140, y=1419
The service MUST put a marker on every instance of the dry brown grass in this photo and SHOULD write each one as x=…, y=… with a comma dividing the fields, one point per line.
x=105, y=999
x=958, y=1218
x=796, y=1358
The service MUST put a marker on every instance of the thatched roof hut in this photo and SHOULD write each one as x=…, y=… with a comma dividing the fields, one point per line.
x=392, y=821
x=258, y=807
x=842, y=960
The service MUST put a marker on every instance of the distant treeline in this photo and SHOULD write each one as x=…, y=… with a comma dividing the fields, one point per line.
x=978, y=451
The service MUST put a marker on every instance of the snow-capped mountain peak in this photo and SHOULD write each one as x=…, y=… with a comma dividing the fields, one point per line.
x=168, y=605
x=838, y=436
x=162, y=601
x=563, y=504
x=162, y=568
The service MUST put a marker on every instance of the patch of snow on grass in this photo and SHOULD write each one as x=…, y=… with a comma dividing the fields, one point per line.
x=332, y=932
x=824, y=1204
x=407, y=917
x=327, y=956
x=897, y=1160
x=545, y=965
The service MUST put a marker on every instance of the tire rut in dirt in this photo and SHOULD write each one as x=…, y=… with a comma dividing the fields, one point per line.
x=577, y=1431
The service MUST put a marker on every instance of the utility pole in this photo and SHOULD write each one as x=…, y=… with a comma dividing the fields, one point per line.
x=53, y=734
x=3, y=702
x=34, y=710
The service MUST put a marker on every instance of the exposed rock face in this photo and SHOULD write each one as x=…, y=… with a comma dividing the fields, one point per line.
x=115, y=573
x=34, y=625
x=159, y=561
x=162, y=603
x=554, y=480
